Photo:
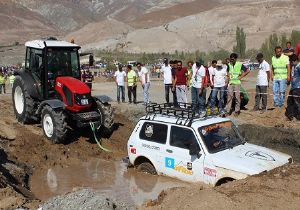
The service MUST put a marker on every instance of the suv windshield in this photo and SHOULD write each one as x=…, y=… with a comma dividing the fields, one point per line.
x=63, y=62
x=220, y=136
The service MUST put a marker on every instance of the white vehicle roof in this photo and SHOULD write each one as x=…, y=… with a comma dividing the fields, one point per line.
x=198, y=122
x=39, y=44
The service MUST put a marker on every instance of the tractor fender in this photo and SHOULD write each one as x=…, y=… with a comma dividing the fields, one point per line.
x=103, y=98
x=30, y=83
x=53, y=103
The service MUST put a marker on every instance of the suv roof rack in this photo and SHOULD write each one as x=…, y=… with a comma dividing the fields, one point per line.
x=183, y=111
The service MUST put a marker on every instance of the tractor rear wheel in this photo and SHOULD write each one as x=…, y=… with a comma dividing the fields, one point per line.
x=107, y=120
x=22, y=102
x=54, y=124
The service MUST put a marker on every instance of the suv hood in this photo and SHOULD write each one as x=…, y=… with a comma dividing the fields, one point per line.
x=249, y=159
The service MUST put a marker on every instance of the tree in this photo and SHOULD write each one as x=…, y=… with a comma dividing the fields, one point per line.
x=240, y=47
x=295, y=37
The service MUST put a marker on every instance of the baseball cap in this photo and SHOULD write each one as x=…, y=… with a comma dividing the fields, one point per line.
x=219, y=63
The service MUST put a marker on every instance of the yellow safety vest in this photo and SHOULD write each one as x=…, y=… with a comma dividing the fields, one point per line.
x=131, y=78
x=279, y=66
x=2, y=80
x=234, y=73
x=12, y=79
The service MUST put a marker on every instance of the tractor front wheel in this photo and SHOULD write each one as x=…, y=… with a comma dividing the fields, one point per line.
x=107, y=121
x=54, y=124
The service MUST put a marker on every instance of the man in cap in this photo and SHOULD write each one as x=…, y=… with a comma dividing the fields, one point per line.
x=166, y=71
x=120, y=76
x=219, y=82
x=262, y=84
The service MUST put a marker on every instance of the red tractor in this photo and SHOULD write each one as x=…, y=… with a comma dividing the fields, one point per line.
x=49, y=90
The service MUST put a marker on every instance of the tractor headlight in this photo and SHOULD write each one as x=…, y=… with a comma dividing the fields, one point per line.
x=82, y=99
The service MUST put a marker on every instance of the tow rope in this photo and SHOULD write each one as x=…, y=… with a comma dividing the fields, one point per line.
x=98, y=143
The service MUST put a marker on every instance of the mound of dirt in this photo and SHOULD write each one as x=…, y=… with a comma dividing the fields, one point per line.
x=278, y=189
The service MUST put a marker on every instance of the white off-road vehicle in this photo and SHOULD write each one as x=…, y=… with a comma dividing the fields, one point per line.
x=173, y=142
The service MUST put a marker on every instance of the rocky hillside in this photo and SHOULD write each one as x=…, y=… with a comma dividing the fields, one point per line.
x=147, y=25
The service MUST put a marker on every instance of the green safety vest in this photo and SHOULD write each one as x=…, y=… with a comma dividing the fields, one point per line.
x=131, y=78
x=2, y=80
x=12, y=79
x=234, y=73
x=190, y=73
x=279, y=66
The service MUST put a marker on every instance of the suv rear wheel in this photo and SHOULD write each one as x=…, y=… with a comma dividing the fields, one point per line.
x=54, y=124
x=147, y=167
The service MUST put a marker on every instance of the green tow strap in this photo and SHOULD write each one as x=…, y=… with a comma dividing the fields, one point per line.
x=93, y=129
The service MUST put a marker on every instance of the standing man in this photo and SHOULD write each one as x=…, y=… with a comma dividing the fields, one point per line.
x=293, y=102
x=2, y=82
x=210, y=87
x=11, y=79
x=180, y=83
x=120, y=76
x=219, y=82
x=166, y=71
x=198, y=101
x=289, y=50
x=281, y=75
x=262, y=83
x=145, y=81
x=131, y=84
x=237, y=71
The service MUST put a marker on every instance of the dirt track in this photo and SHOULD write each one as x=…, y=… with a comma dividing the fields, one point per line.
x=28, y=151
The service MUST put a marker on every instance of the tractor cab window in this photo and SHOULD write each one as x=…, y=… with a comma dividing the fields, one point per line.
x=35, y=62
x=62, y=62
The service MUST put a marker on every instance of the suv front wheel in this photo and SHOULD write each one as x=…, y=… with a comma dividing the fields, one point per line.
x=147, y=167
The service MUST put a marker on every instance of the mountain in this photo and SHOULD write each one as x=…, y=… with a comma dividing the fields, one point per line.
x=147, y=25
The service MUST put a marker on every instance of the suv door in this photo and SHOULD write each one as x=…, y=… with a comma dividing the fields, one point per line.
x=151, y=142
x=177, y=159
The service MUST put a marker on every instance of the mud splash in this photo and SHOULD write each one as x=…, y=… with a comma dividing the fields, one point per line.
x=110, y=178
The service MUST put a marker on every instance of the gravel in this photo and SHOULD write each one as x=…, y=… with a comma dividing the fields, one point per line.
x=84, y=199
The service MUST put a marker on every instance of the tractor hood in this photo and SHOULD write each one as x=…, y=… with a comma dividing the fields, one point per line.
x=74, y=85
x=250, y=159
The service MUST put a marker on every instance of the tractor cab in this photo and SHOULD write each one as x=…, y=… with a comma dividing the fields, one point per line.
x=49, y=59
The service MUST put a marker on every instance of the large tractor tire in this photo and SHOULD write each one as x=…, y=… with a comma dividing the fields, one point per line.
x=22, y=102
x=54, y=124
x=107, y=121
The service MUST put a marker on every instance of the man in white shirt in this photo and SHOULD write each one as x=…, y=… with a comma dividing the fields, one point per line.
x=209, y=89
x=145, y=81
x=166, y=71
x=198, y=101
x=120, y=76
x=219, y=82
x=262, y=83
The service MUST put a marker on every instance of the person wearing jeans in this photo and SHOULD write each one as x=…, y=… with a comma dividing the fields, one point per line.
x=131, y=84
x=219, y=82
x=198, y=101
x=145, y=81
x=120, y=76
x=281, y=75
x=166, y=71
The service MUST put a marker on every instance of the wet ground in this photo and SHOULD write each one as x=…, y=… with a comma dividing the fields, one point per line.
x=106, y=177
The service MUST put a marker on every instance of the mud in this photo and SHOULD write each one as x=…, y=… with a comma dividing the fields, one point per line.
x=105, y=177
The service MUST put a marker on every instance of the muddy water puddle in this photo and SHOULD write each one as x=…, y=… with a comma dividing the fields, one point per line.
x=110, y=178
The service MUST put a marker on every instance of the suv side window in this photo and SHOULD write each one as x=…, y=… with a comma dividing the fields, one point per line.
x=154, y=132
x=182, y=137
